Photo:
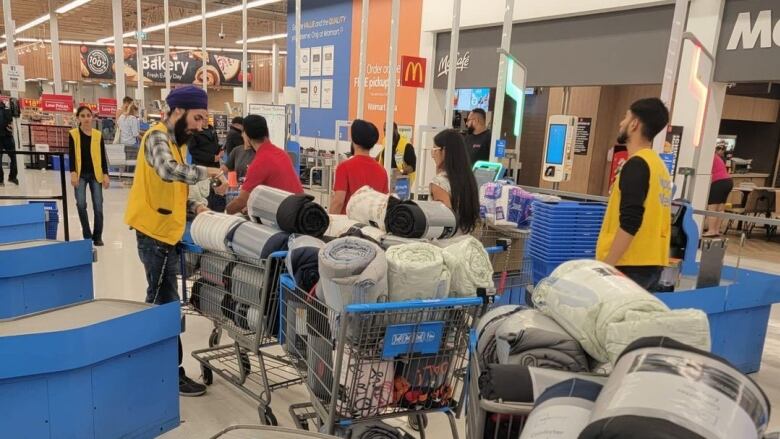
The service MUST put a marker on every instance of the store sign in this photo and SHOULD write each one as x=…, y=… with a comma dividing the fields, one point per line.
x=461, y=64
x=412, y=71
x=582, y=138
x=28, y=104
x=749, y=46
x=106, y=107
x=57, y=103
x=13, y=77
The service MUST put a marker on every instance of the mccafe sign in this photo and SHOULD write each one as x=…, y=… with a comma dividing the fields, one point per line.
x=749, y=46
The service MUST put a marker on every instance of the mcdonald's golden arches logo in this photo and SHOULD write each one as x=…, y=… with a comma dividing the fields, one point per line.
x=412, y=71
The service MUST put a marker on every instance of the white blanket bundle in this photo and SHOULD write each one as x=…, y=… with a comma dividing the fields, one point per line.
x=210, y=230
x=606, y=311
x=470, y=266
x=368, y=206
x=341, y=224
x=416, y=271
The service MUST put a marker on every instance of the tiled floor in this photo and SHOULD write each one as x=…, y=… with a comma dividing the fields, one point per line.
x=119, y=274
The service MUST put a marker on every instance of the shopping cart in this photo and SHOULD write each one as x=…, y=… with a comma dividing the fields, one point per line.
x=261, y=432
x=513, y=272
x=388, y=359
x=240, y=296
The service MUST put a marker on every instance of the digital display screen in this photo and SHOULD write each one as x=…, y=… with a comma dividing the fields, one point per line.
x=556, y=143
x=467, y=99
x=727, y=142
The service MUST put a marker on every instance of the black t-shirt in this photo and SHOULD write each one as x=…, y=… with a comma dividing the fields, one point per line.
x=87, y=167
x=478, y=146
x=634, y=185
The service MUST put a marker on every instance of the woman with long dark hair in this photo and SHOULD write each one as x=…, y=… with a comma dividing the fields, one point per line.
x=454, y=184
x=88, y=167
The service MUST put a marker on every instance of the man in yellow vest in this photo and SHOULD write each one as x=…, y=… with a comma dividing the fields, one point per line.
x=157, y=204
x=637, y=226
x=403, y=156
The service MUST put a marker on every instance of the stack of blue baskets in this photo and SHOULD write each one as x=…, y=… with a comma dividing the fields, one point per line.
x=561, y=232
x=52, y=218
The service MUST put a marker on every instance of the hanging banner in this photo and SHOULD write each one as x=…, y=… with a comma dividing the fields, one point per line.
x=223, y=68
x=28, y=104
x=107, y=107
x=57, y=103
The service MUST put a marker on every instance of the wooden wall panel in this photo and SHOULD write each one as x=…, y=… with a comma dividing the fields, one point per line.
x=532, y=139
x=262, y=67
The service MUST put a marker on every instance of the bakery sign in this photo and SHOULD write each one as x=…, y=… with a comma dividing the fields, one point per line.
x=186, y=67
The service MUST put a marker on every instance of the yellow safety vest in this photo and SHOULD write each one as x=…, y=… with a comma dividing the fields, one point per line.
x=157, y=208
x=400, y=150
x=94, y=152
x=651, y=243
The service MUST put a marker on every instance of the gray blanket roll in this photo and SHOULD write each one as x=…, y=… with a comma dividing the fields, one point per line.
x=530, y=338
x=420, y=219
x=253, y=242
x=352, y=270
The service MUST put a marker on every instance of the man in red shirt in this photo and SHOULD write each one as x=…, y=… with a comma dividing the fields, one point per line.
x=360, y=170
x=270, y=167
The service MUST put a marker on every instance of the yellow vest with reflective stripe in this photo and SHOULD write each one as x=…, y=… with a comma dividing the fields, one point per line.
x=94, y=152
x=651, y=243
x=400, y=150
x=157, y=208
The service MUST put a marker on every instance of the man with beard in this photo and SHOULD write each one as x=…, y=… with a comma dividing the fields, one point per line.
x=157, y=204
x=637, y=226
x=478, y=138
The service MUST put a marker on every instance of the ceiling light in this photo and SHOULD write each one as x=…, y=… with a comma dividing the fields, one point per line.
x=71, y=6
x=194, y=18
x=265, y=38
x=28, y=50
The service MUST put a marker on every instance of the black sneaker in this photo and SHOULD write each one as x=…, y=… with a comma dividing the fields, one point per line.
x=98, y=243
x=188, y=387
x=14, y=181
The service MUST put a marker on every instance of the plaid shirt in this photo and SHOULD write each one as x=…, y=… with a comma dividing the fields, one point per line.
x=158, y=155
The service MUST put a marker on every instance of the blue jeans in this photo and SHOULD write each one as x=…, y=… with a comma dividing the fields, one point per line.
x=96, y=190
x=161, y=264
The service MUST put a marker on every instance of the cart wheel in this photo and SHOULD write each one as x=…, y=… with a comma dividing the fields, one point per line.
x=414, y=422
x=208, y=375
x=246, y=363
x=214, y=338
x=267, y=416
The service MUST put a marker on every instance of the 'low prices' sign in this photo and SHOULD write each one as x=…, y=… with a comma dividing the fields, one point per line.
x=57, y=103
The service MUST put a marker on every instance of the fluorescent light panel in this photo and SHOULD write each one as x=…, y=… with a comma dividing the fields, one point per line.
x=194, y=18
x=265, y=38
x=71, y=6
x=44, y=18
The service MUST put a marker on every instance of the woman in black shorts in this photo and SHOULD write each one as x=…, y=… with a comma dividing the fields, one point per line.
x=719, y=192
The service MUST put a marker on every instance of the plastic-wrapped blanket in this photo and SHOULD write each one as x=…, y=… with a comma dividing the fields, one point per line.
x=368, y=206
x=211, y=230
x=517, y=383
x=486, y=331
x=292, y=213
x=661, y=388
x=416, y=271
x=530, y=338
x=339, y=225
x=352, y=270
x=470, y=266
x=420, y=219
x=604, y=310
x=564, y=408
x=303, y=260
x=255, y=242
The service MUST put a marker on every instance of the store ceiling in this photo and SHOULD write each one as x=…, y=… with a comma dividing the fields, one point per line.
x=93, y=21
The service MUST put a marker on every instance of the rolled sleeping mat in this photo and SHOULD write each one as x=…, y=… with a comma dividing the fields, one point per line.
x=254, y=242
x=246, y=283
x=486, y=331
x=352, y=270
x=368, y=206
x=421, y=219
x=197, y=285
x=564, y=408
x=292, y=213
x=302, y=262
x=210, y=299
x=416, y=271
x=217, y=269
x=663, y=389
x=210, y=230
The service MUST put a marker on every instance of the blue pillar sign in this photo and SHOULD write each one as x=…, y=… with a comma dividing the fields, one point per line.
x=500, y=148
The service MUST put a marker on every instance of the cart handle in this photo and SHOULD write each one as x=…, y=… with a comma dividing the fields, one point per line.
x=360, y=308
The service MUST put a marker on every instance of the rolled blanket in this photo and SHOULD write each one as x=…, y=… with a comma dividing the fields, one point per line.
x=486, y=331
x=303, y=260
x=517, y=383
x=421, y=219
x=564, y=408
x=210, y=299
x=374, y=429
x=470, y=266
x=246, y=283
x=254, y=242
x=352, y=270
x=211, y=230
x=416, y=271
x=530, y=338
x=248, y=317
x=368, y=206
x=217, y=269
x=291, y=213
x=661, y=388
x=339, y=225
x=602, y=309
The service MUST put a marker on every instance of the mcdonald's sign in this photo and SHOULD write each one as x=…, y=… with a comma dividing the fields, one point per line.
x=412, y=71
